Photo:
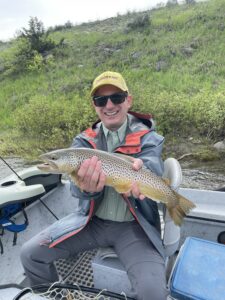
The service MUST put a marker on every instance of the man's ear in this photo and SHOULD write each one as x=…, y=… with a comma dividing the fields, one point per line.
x=92, y=103
x=129, y=100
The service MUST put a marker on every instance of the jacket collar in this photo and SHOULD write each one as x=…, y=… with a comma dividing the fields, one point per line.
x=138, y=126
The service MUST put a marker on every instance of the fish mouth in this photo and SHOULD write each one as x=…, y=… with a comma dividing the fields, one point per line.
x=48, y=165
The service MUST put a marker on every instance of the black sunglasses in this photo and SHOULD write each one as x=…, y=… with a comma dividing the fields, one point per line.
x=116, y=98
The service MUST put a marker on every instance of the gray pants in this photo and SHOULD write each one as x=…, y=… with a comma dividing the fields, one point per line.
x=144, y=265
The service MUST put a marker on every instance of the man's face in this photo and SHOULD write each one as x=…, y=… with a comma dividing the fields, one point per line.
x=112, y=115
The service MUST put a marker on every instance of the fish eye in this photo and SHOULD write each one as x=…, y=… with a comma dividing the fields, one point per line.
x=53, y=157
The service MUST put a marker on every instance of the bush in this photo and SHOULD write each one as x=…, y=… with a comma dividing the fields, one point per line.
x=37, y=37
x=171, y=3
x=141, y=22
x=179, y=114
x=53, y=123
x=67, y=25
x=209, y=114
x=34, y=44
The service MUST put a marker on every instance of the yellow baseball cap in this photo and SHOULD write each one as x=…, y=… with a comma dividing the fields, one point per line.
x=109, y=77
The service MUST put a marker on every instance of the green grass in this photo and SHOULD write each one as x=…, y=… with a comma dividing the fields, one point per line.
x=174, y=68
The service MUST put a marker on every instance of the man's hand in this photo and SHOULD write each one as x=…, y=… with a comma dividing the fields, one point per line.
x=91, y=176
x=137, y=165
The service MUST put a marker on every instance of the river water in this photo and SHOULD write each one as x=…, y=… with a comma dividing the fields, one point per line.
x=202, y=176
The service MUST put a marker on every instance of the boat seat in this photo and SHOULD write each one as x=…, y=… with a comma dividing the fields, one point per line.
x=108, y=271
x=14, y=190
x=30, y=184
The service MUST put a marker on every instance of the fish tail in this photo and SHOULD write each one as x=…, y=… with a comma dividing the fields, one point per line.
x=181, y=209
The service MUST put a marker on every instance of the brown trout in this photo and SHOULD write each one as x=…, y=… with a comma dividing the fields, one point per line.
x=119, y=175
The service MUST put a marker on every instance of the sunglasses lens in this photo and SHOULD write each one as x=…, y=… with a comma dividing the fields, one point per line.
x=100, y=101
x=116, y=98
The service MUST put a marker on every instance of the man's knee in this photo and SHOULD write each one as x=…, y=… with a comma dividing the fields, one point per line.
x=25, y=253
x=31, y=251
x=149, y=281
x=148, y=289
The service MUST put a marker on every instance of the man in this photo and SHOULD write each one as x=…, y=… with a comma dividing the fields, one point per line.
x=129, y=222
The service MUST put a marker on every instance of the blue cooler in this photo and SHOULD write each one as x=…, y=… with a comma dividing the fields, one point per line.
x=199, y=272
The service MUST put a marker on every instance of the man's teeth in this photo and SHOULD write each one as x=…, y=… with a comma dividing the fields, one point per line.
x=110, y=113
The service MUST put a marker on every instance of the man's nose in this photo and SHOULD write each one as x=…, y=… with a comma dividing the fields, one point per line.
x=109, y=103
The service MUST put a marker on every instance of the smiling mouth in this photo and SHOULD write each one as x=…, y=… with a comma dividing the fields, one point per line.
x=110, y=114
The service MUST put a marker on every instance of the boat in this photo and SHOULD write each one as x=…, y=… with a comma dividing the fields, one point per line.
x=44, y=198
x=19, y=190
x=27, y=185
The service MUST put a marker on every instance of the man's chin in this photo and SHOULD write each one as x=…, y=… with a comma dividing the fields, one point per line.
x=112, y=126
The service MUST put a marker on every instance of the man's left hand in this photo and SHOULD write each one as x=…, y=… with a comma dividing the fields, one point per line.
x=135, y=192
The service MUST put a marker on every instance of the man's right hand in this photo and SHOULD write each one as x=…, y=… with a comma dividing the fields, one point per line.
x=91, y=176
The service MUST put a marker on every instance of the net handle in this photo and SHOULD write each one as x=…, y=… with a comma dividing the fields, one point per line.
x=22, y=293
x=49, y=287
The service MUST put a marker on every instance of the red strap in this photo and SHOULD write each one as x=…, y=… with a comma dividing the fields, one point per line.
x=132, y=143
x=130, y=207
x=65, y=237
x=135, y=137
x=90, y=133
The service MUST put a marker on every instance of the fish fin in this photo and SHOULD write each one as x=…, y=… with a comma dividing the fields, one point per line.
x=181, y=209
x=167, y=181
x=150, y=192
x=177, y=210
x=120, y=185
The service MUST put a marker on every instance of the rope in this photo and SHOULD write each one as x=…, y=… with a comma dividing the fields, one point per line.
x=58, y=291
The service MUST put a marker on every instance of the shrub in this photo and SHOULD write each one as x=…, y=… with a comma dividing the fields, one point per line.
x=179, y=114
x=209, y=114
x=33, y=46
x=67, y=25
x=37, y=37
x=171, y=3
x=141, y=22
x=53, y=123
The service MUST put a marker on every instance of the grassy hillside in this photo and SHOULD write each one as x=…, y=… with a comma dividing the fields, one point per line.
x=172, y=58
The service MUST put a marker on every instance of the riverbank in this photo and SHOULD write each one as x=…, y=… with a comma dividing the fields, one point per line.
x=200, y=175
x=204, y=176
x=202, y=165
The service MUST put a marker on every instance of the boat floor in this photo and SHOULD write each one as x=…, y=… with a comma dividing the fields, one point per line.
x=76, y=270
x=61, y=204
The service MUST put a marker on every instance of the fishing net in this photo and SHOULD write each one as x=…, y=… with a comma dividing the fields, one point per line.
x=59, y=291
x=76, y=283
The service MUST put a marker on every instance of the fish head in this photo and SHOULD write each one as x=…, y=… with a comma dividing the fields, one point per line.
x=59, y=161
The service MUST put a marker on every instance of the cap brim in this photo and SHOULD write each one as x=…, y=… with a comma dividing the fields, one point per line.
x=100, y=85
